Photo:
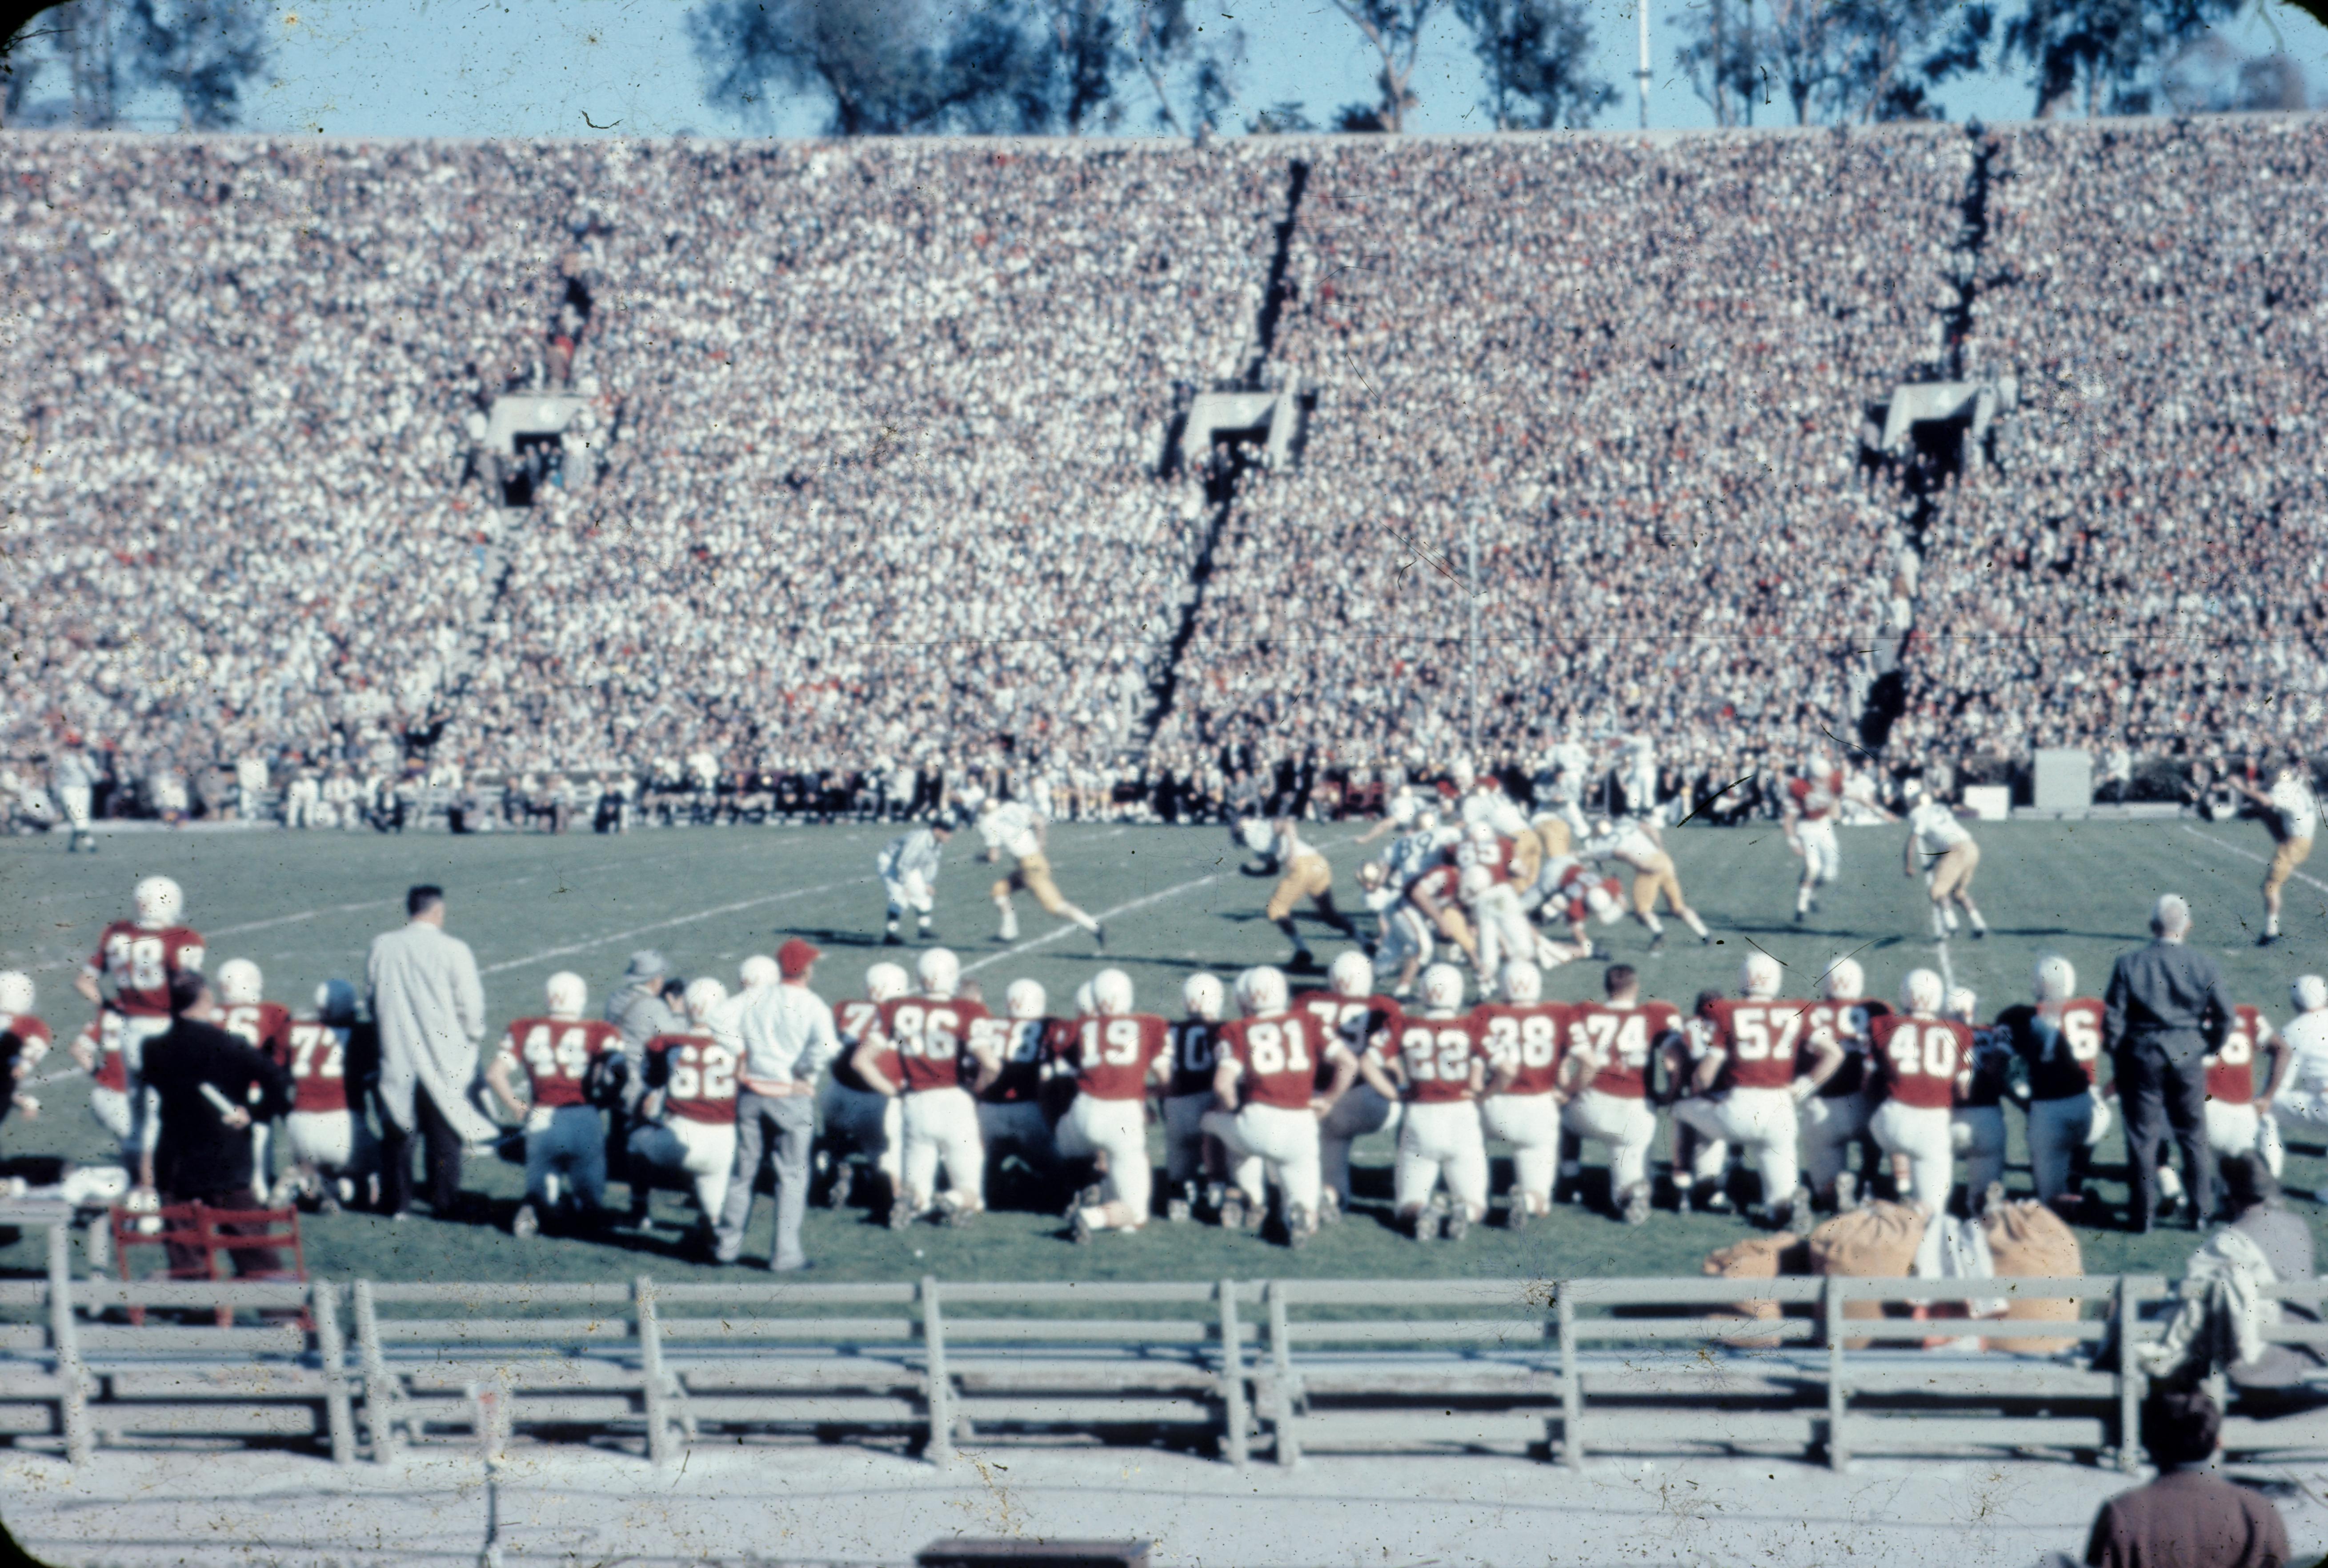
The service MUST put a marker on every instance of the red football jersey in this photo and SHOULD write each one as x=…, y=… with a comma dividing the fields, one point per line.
x=1816, y=797
x=1192, y=1057
x=2230, y=1071
x=316, y=1055
x=1527, y=1038
x=556, y=1054
x=696, y=1074
x=930, y=1036
x=1279, y=1054
x=1111, y=1057
x=139, y=963
x=265, y=1026
x=2063, y=1056
x=1442, y=883
x=852, y=1021
x=1023, y=1045
x=1917, y=1060
x=21, y=1035
x=1499, y=864
x=1760, y=1039
x=1847, y=1022
x=1353, y=1021
x=1436, y=1055
x=103, y=1038
x=1622, y=1039
x=1571, y=898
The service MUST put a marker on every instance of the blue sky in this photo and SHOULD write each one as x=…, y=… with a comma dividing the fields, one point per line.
x=498, y=68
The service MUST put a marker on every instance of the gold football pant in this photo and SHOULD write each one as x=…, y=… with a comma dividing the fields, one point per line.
x=1032, y=876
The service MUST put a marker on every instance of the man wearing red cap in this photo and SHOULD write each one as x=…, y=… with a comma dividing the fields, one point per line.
x=784, y=1035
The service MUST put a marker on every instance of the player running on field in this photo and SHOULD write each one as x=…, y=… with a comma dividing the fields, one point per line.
x=1013, y=828
x=1634, y=841
x=908, y=869
x=1302, y=872
x=1944, y=852
x=1809, y=805
x=2293, y=814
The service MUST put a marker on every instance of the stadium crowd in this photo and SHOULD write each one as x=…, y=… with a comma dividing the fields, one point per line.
x=870, y=479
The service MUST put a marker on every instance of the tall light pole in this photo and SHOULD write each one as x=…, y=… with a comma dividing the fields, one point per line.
x=1641, y=75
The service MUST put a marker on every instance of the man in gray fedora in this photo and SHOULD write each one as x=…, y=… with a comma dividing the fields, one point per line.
x=639, y=1009
x=2165, y=1010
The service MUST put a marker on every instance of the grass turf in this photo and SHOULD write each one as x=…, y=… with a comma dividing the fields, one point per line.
x=305, y=906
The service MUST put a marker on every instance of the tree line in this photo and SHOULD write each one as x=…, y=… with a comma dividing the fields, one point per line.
x=1177, y=67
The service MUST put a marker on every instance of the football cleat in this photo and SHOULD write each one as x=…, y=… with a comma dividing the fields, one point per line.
x=1177, y=1211
x=525, y=1224
x=1457, y=1225
x=1232, y=1210
x=1847, y=1193
x=1515, y=1217
x=1098, y=938
x=2266, y=940
x=1564, y=1190
x=1300, y=1226
x=1256, y=1213
x=1081, y=1231
x=901, y=1214
x=1329, y=1206
x=1992, y=1200
x=1304, y=961
x=1801, y=916
x=1424, y=1225
x=1793, y=1213
x=1636, y=1204
x=956, y=1215
x=1657, y=943
x=844, y=1180
x=890, y=938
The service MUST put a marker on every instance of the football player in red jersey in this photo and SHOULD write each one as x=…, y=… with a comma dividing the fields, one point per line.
x=2059, y=1040
x=563, y=1057
x=1747, y=1090
x=1434, y=1062
x=1835, y=1117
x=860, y=1121
x=1613, y=1041
x=1809, y=805
x=265, y=1028
x=1524, y=1038
x=687, y=1123
x=2234, y=1125
x=24, y=1040
x=1918, y=1055
x=138, y=957
x=1015, y=1095
x=98, y=1050
x=931, y=1033
x=1114, y=1055
x=1266, y=1120
x=1352, y=1012
x=332, y=1059
x=1189, y=1095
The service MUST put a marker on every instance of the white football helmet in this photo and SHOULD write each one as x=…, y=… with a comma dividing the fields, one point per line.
x=1760, y=977
x=1523, y=983
x=1474, y=883
x=885, y=982
x=335, y=1002
x=240, y=984
x=1371, y=875
x=704, y=997
x=1962, y=1005
x=568, y=993
x=1351, y=974
x=1111, y=993
x=1260, y=991
x=1255, y=834
x=1202, y=995
x=2056, y=978
x=760, y=970
x=1442, y=988
x=1404, y=809
x=1482, y=835
x=1923, y=991
x=159, y=903
x=16, y=993
x=1086, y=1004
x=1844, y=981
x=1024, y=999
x=1426, y=821
x=2309, y=993
x=1602, y=904
x=940, y=972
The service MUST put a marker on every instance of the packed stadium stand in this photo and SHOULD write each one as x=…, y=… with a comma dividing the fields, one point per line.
x=878, y=467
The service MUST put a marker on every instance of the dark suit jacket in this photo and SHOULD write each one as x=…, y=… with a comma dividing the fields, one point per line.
x=2169, y=995
x=197, y=1153
x=2187, y=1519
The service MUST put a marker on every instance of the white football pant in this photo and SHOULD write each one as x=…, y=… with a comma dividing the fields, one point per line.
x=942, y=1124
x=1530, y=1123
x=1628, y=1126
x=333, y=1140
x=705, y=1151
x=1505, y=934
x=1822, y=857
x=1271, y=1140
x=1405, y=934
x=1925, y=1135
x=2057, y=1129
x=110, y=1107
x=1831, y=1124
x=1976, y=1134
x=1436, y=1139
x=1118, y=1129
x=1357, y=1112
x=2234, y=1130
x=908, y=892
x=75, y=798
x=1184, y=1136
x=864, y=1122
x=1762, y=1121
x=2303, y=1114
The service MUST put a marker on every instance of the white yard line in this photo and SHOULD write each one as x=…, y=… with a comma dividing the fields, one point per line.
x=2248, y=854
x=304, y=915
x=675, y=920
x=1103, y=916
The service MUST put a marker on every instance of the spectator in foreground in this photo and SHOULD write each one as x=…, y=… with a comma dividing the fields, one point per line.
x=2189, y=1517
x=210, y=1086
x=430, y=1010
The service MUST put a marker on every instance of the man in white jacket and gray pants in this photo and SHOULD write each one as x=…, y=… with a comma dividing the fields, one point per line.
x=430, y=1010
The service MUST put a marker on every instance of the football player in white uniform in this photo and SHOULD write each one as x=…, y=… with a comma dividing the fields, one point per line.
x=1939, y=847
x=2292, y=813
x=1303, y=873
x=2300, y=1096
x=1635, y=842
x=908, y=869
x=1012, y=828
x=1809, y=806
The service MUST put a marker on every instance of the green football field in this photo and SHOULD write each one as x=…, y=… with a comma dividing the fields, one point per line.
x=305, y=906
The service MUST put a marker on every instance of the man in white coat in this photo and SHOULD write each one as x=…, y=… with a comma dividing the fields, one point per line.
x=430, y=1010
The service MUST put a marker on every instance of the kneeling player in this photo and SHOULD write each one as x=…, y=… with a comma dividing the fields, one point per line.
x=1352, y=1013
x=1835, y=1117
x=1525, y=1038
x=1114, y=1055
x=334, y=1060
x=1189, y=1095
x=931, y=1033
x=862, y=1124
x=1748, y=1091
x=1434, y=1062
x=1614, y=1040
x=1976, y=1123
x=1267, y=1105
x=1015, y=1104
x=1918, y=1057
x=2059, y=1039
x=2234, y=1124
x=265, y=1028
x=564, y=1057
x=24, y=1040
x=688, y=1116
